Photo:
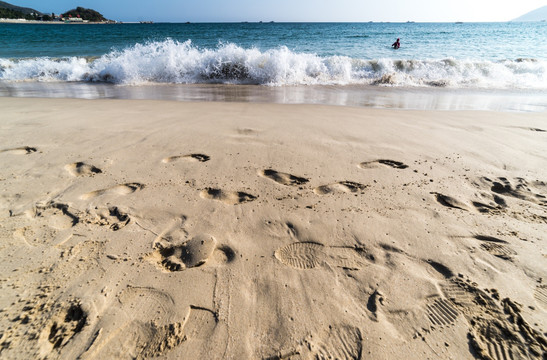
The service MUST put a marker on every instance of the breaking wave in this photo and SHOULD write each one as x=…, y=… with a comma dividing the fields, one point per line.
x=170, y=61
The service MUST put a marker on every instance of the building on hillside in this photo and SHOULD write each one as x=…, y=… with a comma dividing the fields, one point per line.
x=71, y=19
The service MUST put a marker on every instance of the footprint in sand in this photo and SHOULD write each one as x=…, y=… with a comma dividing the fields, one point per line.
x=456, y=293
x=82, y=169
x=450, y=202
x=189, y=157
x=174, y=252
x=391, y=163
x=282, y=178
x=497, y=329
x=500, y=188
x=111, y=216
x=499, y=250
x=518, y=188
x=496, y=207
x=59, y=216
x=309, y=255
x=51, y=222
x=24, y=150
x=540, y=294
x=495, y=246
x=193, y=253
x=122, y=189
x=446, y=323
x=339, y=187
x=333, y=342
x=68, y=320
x=493, y=197
x=144, y=323
x=227, y=197
x=441, y=312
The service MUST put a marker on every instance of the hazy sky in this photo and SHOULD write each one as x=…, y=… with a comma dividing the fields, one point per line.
x=295, y=10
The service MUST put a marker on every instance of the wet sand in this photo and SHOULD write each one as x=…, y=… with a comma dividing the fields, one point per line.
x=403, y=98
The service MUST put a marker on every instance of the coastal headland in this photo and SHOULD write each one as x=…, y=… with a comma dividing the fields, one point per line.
x=10, y=13
x=135, y=229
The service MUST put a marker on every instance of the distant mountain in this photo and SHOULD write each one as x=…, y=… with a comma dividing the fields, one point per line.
x=23, y=10
x=534, y=15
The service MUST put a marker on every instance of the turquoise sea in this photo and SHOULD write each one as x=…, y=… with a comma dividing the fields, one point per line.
x=299, y=62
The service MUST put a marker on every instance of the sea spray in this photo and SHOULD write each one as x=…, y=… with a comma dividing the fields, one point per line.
x=171, y=61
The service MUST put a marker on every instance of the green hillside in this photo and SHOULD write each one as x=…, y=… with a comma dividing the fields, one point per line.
x=11, y=14
x=7, y=8
x=9, y=11
x=85, y=14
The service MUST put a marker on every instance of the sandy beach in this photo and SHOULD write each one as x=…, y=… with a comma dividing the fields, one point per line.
x=209, y=230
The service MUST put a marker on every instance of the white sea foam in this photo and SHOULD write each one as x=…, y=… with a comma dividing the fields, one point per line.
x=170, y=61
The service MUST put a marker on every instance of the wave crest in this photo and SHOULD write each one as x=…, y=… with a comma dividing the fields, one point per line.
x=170, y=61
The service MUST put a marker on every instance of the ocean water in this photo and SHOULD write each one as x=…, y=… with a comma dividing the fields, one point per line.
x=470, y=56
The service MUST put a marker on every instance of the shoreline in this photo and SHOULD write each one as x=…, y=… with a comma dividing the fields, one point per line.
x=450, y=99
x=147, y=228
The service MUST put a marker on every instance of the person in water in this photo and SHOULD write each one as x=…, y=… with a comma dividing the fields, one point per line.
x=396, y=44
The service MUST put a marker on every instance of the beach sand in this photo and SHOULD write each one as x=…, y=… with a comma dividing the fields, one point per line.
x=135, y=229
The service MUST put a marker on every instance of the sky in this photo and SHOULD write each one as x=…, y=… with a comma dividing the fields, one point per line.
x=295, y=10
